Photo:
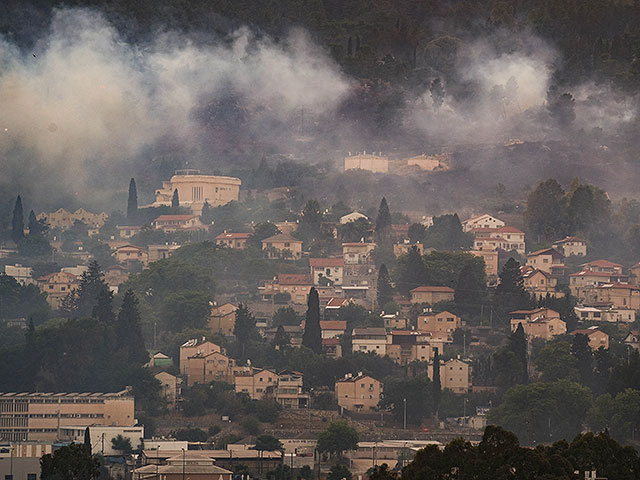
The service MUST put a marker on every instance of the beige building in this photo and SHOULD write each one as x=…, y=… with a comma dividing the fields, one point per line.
x=599, y=314
x=597, y=338
x=191, y=465
x=365, y=340
x=194, y=347
x=237, y=241
x=571, y=246
x=126, y=232
x=282, y=245
x=490, y=258
x=22, y=275
x=481, y=221
x=434, y=323
x=114, y=276
x=540, y=283
x=57, y=286
x=128, y=254
x=406, y=346
x=541, y=323
x=208, y=367
x=602, y=266
x=369, y=162
x=455, y=374
x=194, y=189
x=64, y=220
x=296, y=285
x=161, y=252
x=583, y=284
x=548, y=260
x=222, y=319
x=357, y=253
x=432, y=294
x=499, y=238
x=255, y=382
x=289, y=391
x=327, y=271
x=620, y=295
x=41, y=416
x=178, y=223
x=393, y=321
x=635, y=274
x=429, y=162
x=403, y=248
x=360, y=393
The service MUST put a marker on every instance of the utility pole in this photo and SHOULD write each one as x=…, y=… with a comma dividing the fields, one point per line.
x=184, y=452
x=404, y=423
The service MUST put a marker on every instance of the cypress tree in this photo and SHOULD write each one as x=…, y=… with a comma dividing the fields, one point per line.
x=33, y=223
x=175, y=201
x=510, y=293
x=357, y=43
x=383, y=226
x=437, y=386
x=312, y=336
x=132, y=202
x=17, y=223
x=87, y=440
x=385, y=290
x=245, y=327
x=519, y=346
x=349, y=47
x=129, y=331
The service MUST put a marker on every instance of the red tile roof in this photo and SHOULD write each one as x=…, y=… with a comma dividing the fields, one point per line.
x=294, y=279
x=326, y=262
x=601, y=263
x=546, y=251
x=166, y=218
x=70, y=276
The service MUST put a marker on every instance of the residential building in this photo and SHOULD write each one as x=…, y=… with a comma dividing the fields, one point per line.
x=255, y=382
x=193, y=347
x=406, y=346
x=540, y=283
x=114, y=276
x=195, y=188
x=435, y=323
x=332, y=328
x=548, y=260
x=128, y=254
x=125, y=232
x=633, y=340
x=289, y=392
x=634, y=276
x=161, y=360
x=333, y=305
x=161, y=252
x=364, y=161
x=481, y=221
x=571, y=246
x=296, y=285
x=541, y=323
x=64, y=220
x=57, y=286
x=222, y=319
x=282, y=245
x=602, y=266
x=179, y=223
x=393, y=321
x=332, y=347
x=500, y=238
x=432, y=294
x=355, y=253
x=429, y=162
x=327, y=271
x=490, y=258
x=40, y=416
x=360, y=393
x=287, y=227
x=455, y=374
x=581, y=282
x=597, y=338
x=237, y=241
x=620, y=295
x=367, y=340
x=352, y=217
x=403, y=248
x=294, y=332
x=195, y=465
x=208, y=367
x=22, y=275
x=605, y=314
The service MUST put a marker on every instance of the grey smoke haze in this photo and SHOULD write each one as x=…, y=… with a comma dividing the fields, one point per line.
x=90, y=109
x=88, y=100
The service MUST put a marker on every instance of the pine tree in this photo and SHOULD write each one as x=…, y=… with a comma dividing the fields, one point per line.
x=103, y=310
x=91, y=285
x=245, y=327
x=519, y=346
x=37, y=227
x=129, y=331
x=510, y=293
x=437, y=386
x=17, y=223
x=281, y=338
x=411, y=272
x=385, y=290
x=132, y=202
x=175, y=201
x=312, y=336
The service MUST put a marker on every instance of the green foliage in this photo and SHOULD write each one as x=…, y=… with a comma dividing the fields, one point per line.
x=354, y=231
x=121, y=444
x=409, y=272
x=510, y=361
x=418, y=392
x=71, y=462
x=245, y=327
x=260, y=232
x=267, y=443
x=20, y=301
x=17, y=222
x=543, y=411
x=312, y=336
x=193, y=434
x=285, y=316
x=185, y=309
x=383, y=232
x=555, y=362
x=510, y=294
x=339, y=472
x=132, y=202
x=446, y=234
x=384, y=290
x=339, y=437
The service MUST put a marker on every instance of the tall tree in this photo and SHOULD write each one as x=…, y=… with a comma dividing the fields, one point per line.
x=510, y=293
x=519, y=346
x=245, y=327
x=87, y=440
x=383, y=231
x=312, y=336
x=471, y=286
x=72, y=462
x=91, y=285
x=410, y=272
x=175, y=201
x=385, y=290
x=132, y=201
x=17, y=223
x=546, y=212
x=581, y=350
x=129, y=331
x=437, y=385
